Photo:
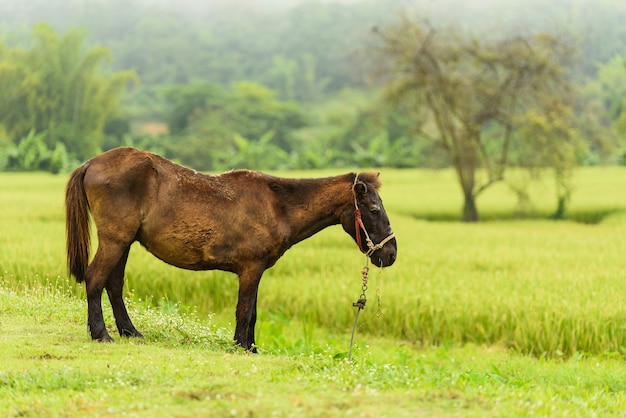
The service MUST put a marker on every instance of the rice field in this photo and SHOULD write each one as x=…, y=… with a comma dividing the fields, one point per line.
x=525, y=283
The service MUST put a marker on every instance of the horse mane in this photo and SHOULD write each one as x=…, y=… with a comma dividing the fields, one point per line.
x=371, y=180
x=291, y=185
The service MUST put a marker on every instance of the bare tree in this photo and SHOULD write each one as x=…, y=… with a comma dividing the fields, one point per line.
x=462, y=87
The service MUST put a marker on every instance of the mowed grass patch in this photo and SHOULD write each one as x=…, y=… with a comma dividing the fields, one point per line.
x=183, y=368
x=540, y=287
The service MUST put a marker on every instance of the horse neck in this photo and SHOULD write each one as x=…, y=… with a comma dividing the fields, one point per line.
x=321, y=203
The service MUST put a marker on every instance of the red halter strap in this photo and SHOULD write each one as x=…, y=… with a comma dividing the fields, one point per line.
x=358, y=225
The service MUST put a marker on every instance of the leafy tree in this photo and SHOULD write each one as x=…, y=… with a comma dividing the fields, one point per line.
x=462, y=87
x=187, y=103
x=556, y=145
x=58, y=87
x=255, y=110
x=377, y=135
x=208, y=120
x=284, y=72
x=605, y=116
x=611, y=83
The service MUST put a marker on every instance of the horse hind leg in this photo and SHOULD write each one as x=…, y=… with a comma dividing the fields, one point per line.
x=109, y=256
x=114, y=287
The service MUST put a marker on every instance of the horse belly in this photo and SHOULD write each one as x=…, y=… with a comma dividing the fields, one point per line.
x=190, y=247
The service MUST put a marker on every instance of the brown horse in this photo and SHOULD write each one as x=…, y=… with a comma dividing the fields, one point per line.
x=240, y=221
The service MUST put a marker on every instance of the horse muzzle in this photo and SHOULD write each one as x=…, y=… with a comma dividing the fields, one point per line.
x=385, y=256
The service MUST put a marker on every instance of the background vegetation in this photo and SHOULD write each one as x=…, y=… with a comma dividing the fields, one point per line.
x=299, y=85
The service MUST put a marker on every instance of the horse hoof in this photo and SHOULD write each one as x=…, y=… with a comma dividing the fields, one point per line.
x=250, y=349
x=104, y=339
x=131, y=334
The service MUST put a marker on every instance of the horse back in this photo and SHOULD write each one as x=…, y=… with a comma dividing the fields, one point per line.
x=188, y=219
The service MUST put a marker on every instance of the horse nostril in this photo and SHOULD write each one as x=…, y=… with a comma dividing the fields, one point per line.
x=392, y=258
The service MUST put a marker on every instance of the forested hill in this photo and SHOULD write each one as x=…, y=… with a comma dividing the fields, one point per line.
x=268, y=84
x=302, y=49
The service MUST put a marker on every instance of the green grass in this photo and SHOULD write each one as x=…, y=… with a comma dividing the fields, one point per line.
x=503, y=318
x=185, y=366
x=436, y=195
x=537, y=286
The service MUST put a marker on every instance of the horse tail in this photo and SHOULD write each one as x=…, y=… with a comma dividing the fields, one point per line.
x=77, y=224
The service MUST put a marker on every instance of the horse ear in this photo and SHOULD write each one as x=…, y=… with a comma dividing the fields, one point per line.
x=360, y=188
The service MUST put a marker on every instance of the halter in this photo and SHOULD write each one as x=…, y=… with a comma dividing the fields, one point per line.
x=371, y=248
x=358, y=224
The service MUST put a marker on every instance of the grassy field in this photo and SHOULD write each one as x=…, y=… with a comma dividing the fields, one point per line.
x=508, y=317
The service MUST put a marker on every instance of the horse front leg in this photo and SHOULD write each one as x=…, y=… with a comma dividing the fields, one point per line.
x=251, y=325
x=246, y=308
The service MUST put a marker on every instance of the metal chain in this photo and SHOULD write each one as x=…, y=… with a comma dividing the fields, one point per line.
x=379, y=306
x=364, y=272
x=360, y=303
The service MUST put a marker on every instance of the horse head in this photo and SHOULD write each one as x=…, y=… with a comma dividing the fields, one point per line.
x=368, y=223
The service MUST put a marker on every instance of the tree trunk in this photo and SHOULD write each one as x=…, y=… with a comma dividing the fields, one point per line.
x=470, y=212
x=560, y=208
x=562, y=178
x=466, y=164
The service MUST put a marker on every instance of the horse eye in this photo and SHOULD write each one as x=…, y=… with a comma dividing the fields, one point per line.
x=375, y=211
